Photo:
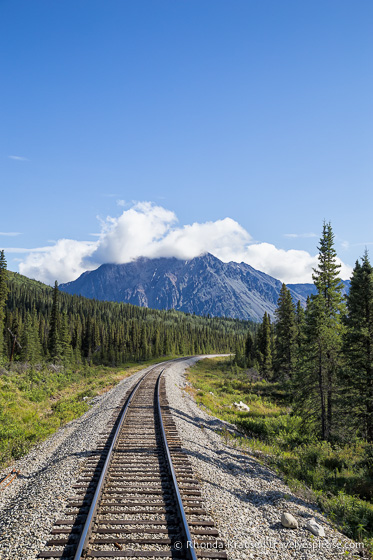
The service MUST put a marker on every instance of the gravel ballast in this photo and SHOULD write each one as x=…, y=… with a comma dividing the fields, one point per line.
x=245, y=498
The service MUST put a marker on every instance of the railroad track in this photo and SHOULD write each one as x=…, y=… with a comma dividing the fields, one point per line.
x=137, y=496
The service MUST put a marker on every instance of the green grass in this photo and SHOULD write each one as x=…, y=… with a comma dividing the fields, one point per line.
x=340, y=476
x=36, y=400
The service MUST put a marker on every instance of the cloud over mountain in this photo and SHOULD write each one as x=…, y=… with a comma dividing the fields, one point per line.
x=149, y=230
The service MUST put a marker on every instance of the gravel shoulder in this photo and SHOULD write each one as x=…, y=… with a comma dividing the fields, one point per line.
x=244, y=497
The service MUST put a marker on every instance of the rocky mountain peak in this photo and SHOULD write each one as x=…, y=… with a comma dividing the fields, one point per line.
x=203, y=285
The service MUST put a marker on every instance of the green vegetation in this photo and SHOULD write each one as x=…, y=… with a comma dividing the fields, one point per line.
x=323, y=352
x=339, y=475
x=285, y=335
x=321, y=361
x=358, y=348
x=3, y=296
x=35, y=401
x=56, y=349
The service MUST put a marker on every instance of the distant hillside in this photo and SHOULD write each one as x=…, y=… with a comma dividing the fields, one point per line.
x=105, y=332
x=17, y=279
x=204, y=286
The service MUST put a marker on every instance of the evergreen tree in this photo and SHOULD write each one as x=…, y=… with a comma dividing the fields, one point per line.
x=65, y=339
x=264, y=347
x=300, y=325
x=54, y=343
x=358, y=349
x=285, y=331
x=3, y=297
x=322, y=349
x=144, y=351
x=166, y=345
x=30, y=342
x=239, y=357
x=157, y=348
x=250, y=349
x=14, y=330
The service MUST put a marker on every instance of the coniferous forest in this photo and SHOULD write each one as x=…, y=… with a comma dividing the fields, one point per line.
x=43, y=324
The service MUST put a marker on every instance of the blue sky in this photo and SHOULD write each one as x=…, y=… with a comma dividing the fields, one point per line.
x=251, y=119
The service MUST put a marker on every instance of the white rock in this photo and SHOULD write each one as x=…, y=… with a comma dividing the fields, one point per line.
x=289, y=521
x=241, y=406
x=315, y=528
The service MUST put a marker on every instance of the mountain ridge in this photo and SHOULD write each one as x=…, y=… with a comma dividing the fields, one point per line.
x=203, y=285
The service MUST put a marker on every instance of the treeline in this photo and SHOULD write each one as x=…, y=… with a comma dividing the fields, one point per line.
x=42, y=324
x=323, y=353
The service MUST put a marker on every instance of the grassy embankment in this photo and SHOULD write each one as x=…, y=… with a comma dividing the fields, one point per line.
x=339, y=477
x=36, y=401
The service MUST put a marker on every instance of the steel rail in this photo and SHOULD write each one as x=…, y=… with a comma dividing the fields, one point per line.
x=83, y=542
x=13, y=474
x=190, y=551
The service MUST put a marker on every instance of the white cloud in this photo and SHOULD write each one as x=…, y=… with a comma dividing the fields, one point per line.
x=292, y=266
x=223, y=238
x=135, y=233
x=64, y=261
x=300, y=235
x=148, y=230
x=18, y=158
x=27, y=250
x=10, y=233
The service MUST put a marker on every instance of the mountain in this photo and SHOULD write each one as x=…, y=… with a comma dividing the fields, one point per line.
x=305, y=290
x=203, y=285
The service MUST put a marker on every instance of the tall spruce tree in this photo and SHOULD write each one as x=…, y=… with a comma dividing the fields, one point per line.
x=323, y=343
x=249, y=349
x=54, y=341
x=264, y=347
x=65, y=339
x=358, y=349
x=30, y=343
x=285, y=335
x=300, y=325
x=3, y=297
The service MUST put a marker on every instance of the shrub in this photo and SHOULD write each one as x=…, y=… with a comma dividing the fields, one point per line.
x=357, y=515
x=69, y=408
x=284, y=430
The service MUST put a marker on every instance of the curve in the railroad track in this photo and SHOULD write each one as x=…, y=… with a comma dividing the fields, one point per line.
x=136, y=496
